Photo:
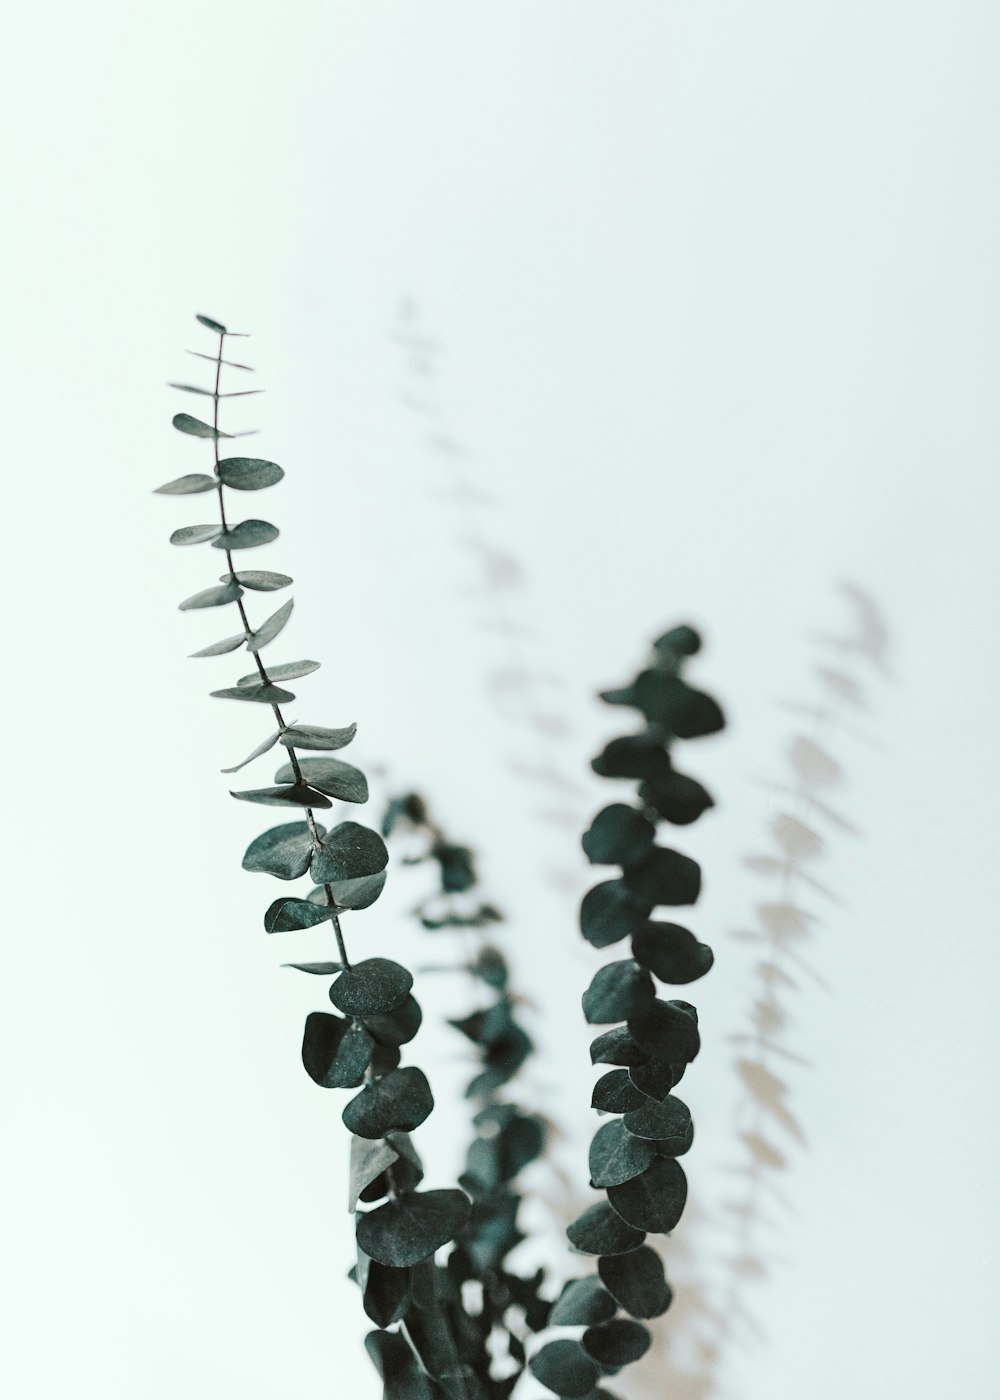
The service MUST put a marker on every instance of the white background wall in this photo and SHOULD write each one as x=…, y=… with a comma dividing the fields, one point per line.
x=717, y=293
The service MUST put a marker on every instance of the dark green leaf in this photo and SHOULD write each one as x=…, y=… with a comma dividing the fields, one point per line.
x=190, y=485
x=215, y=597
x=349, y=852
x=184, y=423
x=616, y=1156
x=398, y=1368
x=283, y=851
x=262, y=747
x=634, y=756
x=565, y=1368
x=259, y=580
x=618, y=991
x=260, y=694
x=335, y=1053
x=668, y=1124
x=313, y=736
x=672, y=953
x=396, y=1027
x=429, y=1334
x=195, y=534
x=212, y=325
x=614, y=1092
x=619, y=835
x=248, y=473
x=286, y=914
x=679, y=641
x=317, y=969
x=582, y=1303
x=666, y=699
x=612, y=911
x=663, y=877
x=385, y=1292
x=403, y=1232
x=296, y=795
x=617, y=1047
x=220, y=648
x=617, y=1343
x=401, y=1099
x=655, y=1078
x=600, y=1230
x=271, y=628
x=247, y=535
x=371, y=988
x=369, y=1159
x=351, y=894
x=330, y=775
x=653, y=1201
x=407, y=1172
x=457, y=865
x=677, y=799
x=667, y=1031
x=289, y=671
x=637, y=1282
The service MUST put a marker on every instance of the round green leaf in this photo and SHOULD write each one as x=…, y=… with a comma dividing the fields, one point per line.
x=248, y=473
x=289, y=671
x=349, y=852
x=612, y=911
x=616, y=1343
x=189, y=485
x=634, y=756
x=351, y=894
x=371, y=988
x=283, y=851
x=314, y=736
x=330, y=775
x=295, y=795
x=677, y=798
x=396, y=1027
x=667, y=1031
x=247, y=535
x=672, y=953
x=403, y=1232
x=184, y=423
x=215, y=597
x=679, y=641
x=618, y=991
x=286, y=914
x=619, y=835
x=637, y=1282
x=335, y=1053
x=614, y=1092
x=259, y=580
x=655, y=1078
x=582, y=1303
x=668, y=1124
x=617, y=1047
x=565, y=1368
x=616, y=1156
x=195, y=534
x=653, y=1201
x=663, y=877
x=271, y=628
x=601, y=1230
x=401, y=1099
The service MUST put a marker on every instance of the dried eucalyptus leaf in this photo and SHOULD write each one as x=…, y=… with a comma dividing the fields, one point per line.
x=220, y=648
x=348, y=852
x=617, y=991
x=286, y=914
x=262, y=694
x=184, y=423
x=189, y=485
x=329, y=775
x=296, y=795
x=403, y=1232
x=247, y=535
x=653, y=1201
x=215, y=597
x=582, y=1302
x=614, y=1092
x=283, y=851
x=401, y=1100
x=617, y=1343
x=289, y=671
x=271, y=628
x=637, y=1282
x=371, y=988
x=195, y=534
x=261, y=748
x=335, y=1053
x=565, y=1367
x=616, y=1156
x=618, y=835
x=313, y=736
x=248, y=473
x=601, y=1230
x=259, y=580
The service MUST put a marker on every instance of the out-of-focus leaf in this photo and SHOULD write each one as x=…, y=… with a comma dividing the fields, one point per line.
x=612, y=911
x=634, y=756
x=264, y=694
x=582, y=1302
x=616, y=1343
x=247, y=535
x=677, y=799
x=296, y=795
x=618, y=835
x=664, y=876
x=211, y=394
x=258, y=580
x=215, y=597
x=349, y=852
x=401, y=1100
x=565, y=1367
x=231, y=363
x=271, y=628
x=195, y=534
x=329, y=775
x=637, y=1282
x=190, y=485
x=262, y=747
x=653, y=1201
x=601, y=1230
x=289, y=671
x=184, y=423
x=680, y=641
x=220, y=648
x=212, y=325
x=248, y=473
x=396, y=1027
x=371, y=988
x=672, y=953
x=398, y=1368
x=403, y=1232
x=286, y=914
x=616, y=1156
x=283, y=851
x=313, y=736
x=335, y=1053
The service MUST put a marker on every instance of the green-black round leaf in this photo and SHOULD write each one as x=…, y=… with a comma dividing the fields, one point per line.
x=396, y=1027
x=616, y=1156
x=403, y=1232
x=371, y=988
x=616, y=1343
x=668, y=1124
x=270, y=629
x=330, y=775
x=348, y=852
x=398, y=1368
x=195, y=534
x=247, y=535
x=666, y=699
x=350, y=894
x=565, y=1368
x=582, y=1302
x=401, y=1099
x=672, y=953
x=637, y=1282
x=634, y=756
x=664, y=876
x=295, y=795
x=601, y=1230
x=612, y=911
x=184, y=423
x=677, y=798
x=679, y=641
x=655, y=1078
x=283, y=851
x=248, y=473
x=335, y=1053
x=668, y=1030
x=190, y=485
x=215, y=597
x=314, y=736
x=385, y=1292
x=618, y=990
x=259, y=580
x=614, y=1092
x=216, y=326
x=617, y=1047
x=287, y=914
x=618, y=835
x=653, y=1201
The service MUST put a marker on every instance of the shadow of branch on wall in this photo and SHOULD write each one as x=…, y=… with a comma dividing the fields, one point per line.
x=710, y=1321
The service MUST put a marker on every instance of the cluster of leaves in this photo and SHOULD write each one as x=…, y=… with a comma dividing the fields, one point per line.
x=357, y=1045
x=506, y=1139
x=633, y=1156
